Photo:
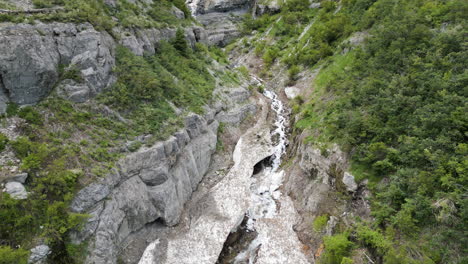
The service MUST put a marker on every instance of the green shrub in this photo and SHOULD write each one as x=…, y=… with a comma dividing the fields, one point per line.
x=22, y=147
x=3, y=141
x=261, y=89
x=180, y=43
x=293, y=71
x=13, y=256
x=12, y=109
x=372, y=239
x=270, y=55
x=337, y=247
x=30, y=115
x=47, y=3
x=72, y=73
x=244, y=71
x=346, y=260
x=320, y=222
x=134, y=146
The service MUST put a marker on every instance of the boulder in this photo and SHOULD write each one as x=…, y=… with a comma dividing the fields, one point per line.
x=39, y=254
x=221, y=28
x=16, y=190
x=177, y=12
x=236, y=115
x=209, y=6
x=291, y=92
x=73, y=91
x=21, y=178
x=349, y=182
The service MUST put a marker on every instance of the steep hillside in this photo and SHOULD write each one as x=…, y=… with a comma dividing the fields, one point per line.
x=110, y=115
x=385, y=81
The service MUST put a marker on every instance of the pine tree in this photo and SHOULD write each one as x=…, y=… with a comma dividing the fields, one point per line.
x=180, y=43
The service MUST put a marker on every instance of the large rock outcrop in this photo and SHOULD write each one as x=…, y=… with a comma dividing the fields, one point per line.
x=313, y=181
x=221, y=28
x=149, y=185
x=33, y=57
x=209, y=6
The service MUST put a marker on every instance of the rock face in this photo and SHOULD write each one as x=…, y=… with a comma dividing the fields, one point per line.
x=218, y=212
x=221, y=28
x=309, y=183
x=33, y=56
x=291, y=92
x=220, y=18
x=268, y=7
x=209, y=6
x=151, y=184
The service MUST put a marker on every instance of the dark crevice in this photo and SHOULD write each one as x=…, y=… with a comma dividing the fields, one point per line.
x=3, y=88
x=260, y=166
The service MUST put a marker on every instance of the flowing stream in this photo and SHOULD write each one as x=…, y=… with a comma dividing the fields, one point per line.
x=266, y=200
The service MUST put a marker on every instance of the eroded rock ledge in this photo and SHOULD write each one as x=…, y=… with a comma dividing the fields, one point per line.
x=151, y=184
x=32, y=56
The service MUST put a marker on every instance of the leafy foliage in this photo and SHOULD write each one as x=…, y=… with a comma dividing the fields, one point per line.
x=320, y=222
x=3, y=141
x=10, y=256
x=337, y=247
x=398, y=106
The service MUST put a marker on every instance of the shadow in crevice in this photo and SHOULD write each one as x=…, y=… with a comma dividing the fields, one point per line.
x=261, y=165
x=236, y=242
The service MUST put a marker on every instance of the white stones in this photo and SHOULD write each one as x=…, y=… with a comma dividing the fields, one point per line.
x=16, y=190
x=349, y=182
x=291, y=92
x=39, y=254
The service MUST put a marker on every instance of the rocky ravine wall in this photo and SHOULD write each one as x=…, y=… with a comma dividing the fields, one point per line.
x=151, y=184
x=313, y=182
x=154, y=183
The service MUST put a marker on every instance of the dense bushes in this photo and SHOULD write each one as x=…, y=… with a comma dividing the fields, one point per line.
x=338, y=247
x=146, y=84
x=10, y=256
x=3, y=141
x=399, y=108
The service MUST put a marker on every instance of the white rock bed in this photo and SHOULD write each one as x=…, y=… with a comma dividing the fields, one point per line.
x=272, y=215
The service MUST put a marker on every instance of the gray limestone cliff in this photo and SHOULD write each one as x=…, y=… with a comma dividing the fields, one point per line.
x=33, y=57
x=149, y=185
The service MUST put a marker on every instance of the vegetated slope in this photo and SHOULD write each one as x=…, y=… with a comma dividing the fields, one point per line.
x=65, y=145
x=103, y=16
x=397, y=103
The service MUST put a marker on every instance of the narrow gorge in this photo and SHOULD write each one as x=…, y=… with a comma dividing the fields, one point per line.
x=233, y=131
